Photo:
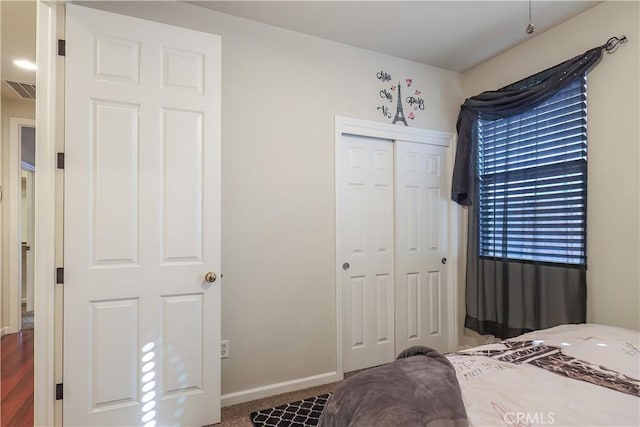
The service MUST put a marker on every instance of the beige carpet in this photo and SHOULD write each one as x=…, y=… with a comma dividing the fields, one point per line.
x=238, y=415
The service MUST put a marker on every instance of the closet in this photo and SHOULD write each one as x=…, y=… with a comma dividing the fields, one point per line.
x=392, y=244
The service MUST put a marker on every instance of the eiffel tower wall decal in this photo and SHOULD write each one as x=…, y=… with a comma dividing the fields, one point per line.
x=399, y=113
x=414, y=103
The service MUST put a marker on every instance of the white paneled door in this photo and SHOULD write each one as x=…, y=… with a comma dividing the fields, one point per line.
x=142, y=222
x=392, y=228
x=421, y=247
x=366, y=203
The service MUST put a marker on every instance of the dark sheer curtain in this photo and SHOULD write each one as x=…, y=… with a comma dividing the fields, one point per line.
x=526, y=192
x=514, y=99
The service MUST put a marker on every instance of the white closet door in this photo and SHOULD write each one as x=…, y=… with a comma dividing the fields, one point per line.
x=366, y=220
x=142, y=223
x=421, y=247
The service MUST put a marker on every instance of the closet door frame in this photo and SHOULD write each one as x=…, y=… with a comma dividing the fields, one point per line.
x=366, y=128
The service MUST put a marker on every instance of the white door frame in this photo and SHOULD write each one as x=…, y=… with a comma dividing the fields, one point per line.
x=45, y=202
x=14, y=235
x=350, y=126
x=27, y=298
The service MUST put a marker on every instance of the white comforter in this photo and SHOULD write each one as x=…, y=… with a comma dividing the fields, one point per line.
x=498, y=393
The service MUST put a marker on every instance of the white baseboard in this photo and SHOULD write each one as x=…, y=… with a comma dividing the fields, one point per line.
x=4, y=330
x=278, y=388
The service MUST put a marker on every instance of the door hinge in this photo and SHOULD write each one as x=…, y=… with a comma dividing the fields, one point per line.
x=62, y=47
x=59, y=275
x=60, y=161
x=59, y=391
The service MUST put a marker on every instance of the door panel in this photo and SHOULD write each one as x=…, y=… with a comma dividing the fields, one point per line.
x=142, y=222
x=182, y=185
x=182, y=369
x=421, y=278
x=113, y=353
x=366, y=200
x=435, y=318
x=115, y=148
x=412, y=305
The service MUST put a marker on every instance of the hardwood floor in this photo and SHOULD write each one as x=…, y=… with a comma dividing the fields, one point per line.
x=16, y=372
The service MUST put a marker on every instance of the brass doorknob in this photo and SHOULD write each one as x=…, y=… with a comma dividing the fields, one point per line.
x=210, y=277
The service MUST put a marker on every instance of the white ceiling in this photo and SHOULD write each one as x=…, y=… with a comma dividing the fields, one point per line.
x=455, y=35
x=18, y=28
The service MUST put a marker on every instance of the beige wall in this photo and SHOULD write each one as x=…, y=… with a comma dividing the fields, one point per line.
x=613, y=216
x=10, y=108
x=280, y=93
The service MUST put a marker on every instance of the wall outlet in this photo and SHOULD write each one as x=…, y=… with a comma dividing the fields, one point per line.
x=224, y=349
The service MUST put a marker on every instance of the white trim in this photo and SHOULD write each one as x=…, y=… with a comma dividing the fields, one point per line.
x=28, y=176
x=350, y=126
x=4, y=331
x=339, y=130
x=453, y=248
x=346, y=125
x=45, y=181
x=279, y=388
x=14, y=217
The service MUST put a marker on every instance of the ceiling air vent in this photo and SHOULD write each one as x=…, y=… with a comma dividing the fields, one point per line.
x=25, y=90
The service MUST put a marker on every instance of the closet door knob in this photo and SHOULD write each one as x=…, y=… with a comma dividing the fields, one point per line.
x=210, y=277
x=443, y=260
x=345, y=266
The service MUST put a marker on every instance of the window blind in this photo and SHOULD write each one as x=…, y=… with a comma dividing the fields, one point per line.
x=532, y=177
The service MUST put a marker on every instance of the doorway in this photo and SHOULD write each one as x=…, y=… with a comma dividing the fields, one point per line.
x=394, y=279
x=18, y=216
x=20, y=211
x=27, y=224
x=18, y=159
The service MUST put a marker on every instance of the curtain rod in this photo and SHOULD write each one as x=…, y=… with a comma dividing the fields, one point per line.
x=611, y=44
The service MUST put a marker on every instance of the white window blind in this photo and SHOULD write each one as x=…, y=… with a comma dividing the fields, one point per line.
x=532, y=178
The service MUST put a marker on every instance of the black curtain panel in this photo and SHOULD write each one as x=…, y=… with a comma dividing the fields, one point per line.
x=509, y=101
x=521, y=167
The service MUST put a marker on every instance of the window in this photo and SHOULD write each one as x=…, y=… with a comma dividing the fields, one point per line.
x=532, y=181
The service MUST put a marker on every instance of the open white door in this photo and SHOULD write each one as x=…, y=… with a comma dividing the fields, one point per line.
x=142, y=222
x=365, y=195
x=422, y=300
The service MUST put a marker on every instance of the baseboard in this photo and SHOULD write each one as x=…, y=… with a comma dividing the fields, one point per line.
x=278, y=388
x=4, y=330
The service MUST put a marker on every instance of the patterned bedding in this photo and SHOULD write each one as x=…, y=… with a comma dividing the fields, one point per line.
x=570, y=375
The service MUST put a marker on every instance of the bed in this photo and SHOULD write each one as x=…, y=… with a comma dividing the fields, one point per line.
x=569, y=375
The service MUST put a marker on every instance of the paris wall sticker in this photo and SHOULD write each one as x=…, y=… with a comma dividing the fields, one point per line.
x=392, y=103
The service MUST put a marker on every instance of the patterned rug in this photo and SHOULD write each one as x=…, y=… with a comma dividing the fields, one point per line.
x=303, y=413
